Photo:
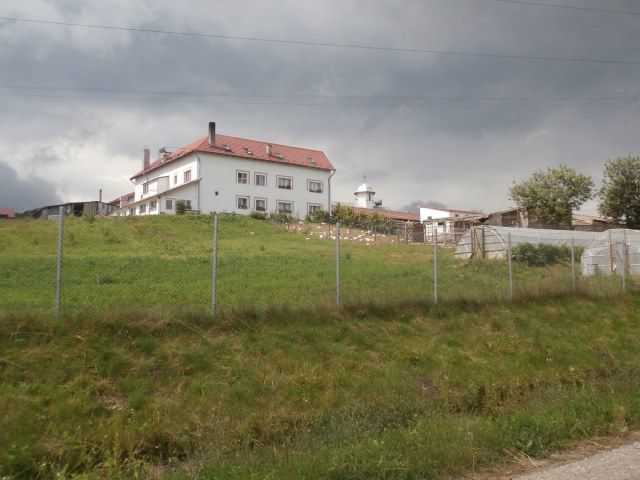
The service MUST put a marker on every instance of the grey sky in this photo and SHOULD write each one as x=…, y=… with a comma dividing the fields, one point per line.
x=457, y=144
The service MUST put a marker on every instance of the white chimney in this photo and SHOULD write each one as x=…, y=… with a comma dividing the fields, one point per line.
x=146, y=158
x=212, y=134
x=269, y=150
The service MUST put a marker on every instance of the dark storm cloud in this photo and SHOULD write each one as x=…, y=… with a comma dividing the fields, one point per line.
x=24, y=194
x=434, y=130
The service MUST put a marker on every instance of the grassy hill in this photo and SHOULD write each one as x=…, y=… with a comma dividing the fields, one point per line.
x=165, y=263
x=137, y=380
x=406, y=394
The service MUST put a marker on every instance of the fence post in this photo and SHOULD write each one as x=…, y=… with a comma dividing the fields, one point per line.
x=338, y=265
x=214, y=278
x=435, y=266
x=573, y=265
x=624, y=265
x=59, y=262
x=510, y=267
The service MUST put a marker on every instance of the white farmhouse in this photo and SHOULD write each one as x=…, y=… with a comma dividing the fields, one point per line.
x=219, y=173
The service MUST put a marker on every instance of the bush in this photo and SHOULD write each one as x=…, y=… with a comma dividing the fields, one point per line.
x=319, y=216
x=540, y=255
x=282, y=217
x=181, y=207
x=259, y=215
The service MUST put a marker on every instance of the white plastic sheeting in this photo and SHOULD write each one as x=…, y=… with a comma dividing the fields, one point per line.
x=492, y=242
x=613, y=252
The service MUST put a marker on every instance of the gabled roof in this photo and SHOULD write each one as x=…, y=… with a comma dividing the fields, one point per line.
x=245, y=148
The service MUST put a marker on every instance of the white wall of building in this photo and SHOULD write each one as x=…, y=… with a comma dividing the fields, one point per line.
x=433, y=213
x=219, y=189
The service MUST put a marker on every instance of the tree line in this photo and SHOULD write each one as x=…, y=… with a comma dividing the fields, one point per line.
x=552, y=195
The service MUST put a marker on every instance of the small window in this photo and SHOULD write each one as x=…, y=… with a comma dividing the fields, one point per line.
x=187, y=176
x=168, y=205
x=315, y=186
x=285, y=207
x=285, y=182
x=243, y=203
x=261, y=204
x=142, y=208
x=187, y=204
x=242, y=177
x=145, y=188
x=261, y=180
x=313, y=208
x=132, y=212
x=154, y=205
x=175, y=179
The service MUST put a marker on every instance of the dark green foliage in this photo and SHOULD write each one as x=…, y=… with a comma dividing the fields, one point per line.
x=348, y=217
x=258, y=215
x=181, y=207
x=282, y=217
x=542, y=255
x=620, y=192
x=319, y=216
x=552, y=195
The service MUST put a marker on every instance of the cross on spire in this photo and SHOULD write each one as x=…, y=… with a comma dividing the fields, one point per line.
x=364, y=178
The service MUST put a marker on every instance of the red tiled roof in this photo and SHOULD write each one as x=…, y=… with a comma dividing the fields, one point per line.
x=395, y=215
x=7, y=212
x=240, y=147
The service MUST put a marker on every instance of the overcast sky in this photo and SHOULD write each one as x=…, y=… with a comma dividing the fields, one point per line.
x=449, y=128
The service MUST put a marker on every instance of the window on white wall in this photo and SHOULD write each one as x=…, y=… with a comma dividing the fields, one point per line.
x=175, y=179
x=242, y=177
x=314, y=186
x=142, y=208
x=285, y=182
x=187, y=176
x=242, y=203
x=145, y=188
x=168, y=204
x=261, y=204
x=261, y=180
x=187, y=204
x=154, y=205
x=313, y=208
x=285, y=207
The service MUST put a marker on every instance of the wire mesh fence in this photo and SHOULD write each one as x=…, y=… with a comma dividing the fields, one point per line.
x=229, y=264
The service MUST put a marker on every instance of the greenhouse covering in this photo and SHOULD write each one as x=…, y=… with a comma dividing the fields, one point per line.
x=613, y=252
x=492, y=242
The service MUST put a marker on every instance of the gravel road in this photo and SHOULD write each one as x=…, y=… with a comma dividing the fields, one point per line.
x=622, y=463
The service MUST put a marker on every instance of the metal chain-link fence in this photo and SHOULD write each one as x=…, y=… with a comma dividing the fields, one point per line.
x=230, y=264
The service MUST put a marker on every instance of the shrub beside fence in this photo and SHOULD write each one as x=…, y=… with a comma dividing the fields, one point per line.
x=216, y=265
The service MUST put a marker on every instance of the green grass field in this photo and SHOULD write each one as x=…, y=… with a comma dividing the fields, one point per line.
x=165, y=263
x=398, y=394
x=136, y=380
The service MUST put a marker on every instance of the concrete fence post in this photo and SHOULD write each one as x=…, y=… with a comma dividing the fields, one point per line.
x=510, y=257
x=338, y=265
x=214, y=277
x=624, y=265
x=574, y=285
x=59, y=262
x=435, y=266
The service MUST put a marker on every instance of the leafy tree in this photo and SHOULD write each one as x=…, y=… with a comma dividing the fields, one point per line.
x=553, y=194
x=620, y=192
